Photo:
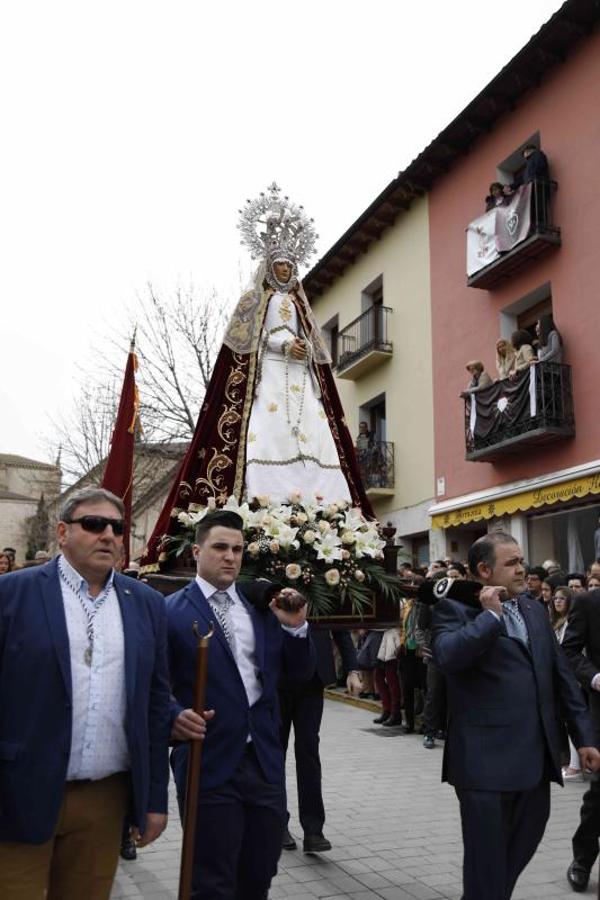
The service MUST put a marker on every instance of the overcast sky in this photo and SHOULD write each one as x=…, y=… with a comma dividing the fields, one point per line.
x=134, y=130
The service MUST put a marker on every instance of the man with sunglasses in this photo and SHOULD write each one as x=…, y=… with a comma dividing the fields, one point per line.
x=84, y=711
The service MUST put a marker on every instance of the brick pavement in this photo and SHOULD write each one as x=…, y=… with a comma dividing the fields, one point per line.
x=394, y=826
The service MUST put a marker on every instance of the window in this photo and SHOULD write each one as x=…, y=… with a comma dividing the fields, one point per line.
x=524, y=313
x=513, y=165
x=331, y=333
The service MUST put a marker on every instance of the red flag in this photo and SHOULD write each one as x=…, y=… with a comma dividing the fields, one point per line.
x=118, y=473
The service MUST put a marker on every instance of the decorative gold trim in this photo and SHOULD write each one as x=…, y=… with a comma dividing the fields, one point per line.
x=238, y=484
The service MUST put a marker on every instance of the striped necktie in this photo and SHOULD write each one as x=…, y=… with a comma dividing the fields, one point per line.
x=221, y=604
x=514, y=622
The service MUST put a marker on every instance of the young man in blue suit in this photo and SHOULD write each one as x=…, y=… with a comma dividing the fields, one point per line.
x=506, y=678
x=242, y=808
x=84, y=711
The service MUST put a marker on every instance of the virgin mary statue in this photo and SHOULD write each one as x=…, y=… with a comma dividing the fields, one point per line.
x=272, y=423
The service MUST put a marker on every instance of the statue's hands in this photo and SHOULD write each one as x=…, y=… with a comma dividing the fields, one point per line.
x=298, y=349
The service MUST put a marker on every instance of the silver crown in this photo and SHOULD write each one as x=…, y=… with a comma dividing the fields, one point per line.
x=272, y=226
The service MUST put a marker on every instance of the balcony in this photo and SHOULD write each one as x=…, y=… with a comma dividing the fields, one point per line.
x=507, y=238
x=364, y=344
x=534, y=409
x=376, y=464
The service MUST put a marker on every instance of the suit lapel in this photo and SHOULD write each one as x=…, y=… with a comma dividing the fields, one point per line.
x=57, y=623
x=130, y=633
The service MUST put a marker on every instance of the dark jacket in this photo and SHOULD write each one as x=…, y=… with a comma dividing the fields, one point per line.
x=536, y=166
x=581, y=645
x=36, y=700
x=227, y=733
x=503, y=698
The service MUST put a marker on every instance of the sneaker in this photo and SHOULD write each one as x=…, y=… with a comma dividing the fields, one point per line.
x=428, y=742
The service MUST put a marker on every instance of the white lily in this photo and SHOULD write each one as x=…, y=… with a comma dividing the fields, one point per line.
x=328, y=547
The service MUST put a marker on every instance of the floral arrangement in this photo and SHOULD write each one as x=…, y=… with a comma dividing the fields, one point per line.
x=330, y=553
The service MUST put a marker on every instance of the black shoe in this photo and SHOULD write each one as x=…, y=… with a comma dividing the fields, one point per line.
x=287, y=841
x=382, y=719
x=428, y=742
x=408, y=729
x=578, y=876
x=392, y=721
x=128, y=849
x=440, y=735
x=316, y=843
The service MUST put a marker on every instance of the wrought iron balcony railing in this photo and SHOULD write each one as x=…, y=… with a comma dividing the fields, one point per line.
x=534, y=408
x=364, y=342
x=500, y=243
x=376, y=464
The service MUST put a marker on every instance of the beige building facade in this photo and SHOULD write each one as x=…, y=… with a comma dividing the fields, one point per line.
x=376, y=314
x=23, y=482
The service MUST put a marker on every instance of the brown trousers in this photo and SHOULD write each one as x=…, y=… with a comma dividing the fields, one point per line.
x=80, y=861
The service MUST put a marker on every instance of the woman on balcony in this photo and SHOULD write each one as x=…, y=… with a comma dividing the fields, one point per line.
x=550, y=341
x=524, y=355
x=505, y=357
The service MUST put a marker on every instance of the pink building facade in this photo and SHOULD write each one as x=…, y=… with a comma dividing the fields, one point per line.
x=545, y=488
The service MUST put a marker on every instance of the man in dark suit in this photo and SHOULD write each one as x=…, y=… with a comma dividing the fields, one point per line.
x=581, y=644
x=302, y=706
x=242, y=803
x=84, y=711
x=505, y=676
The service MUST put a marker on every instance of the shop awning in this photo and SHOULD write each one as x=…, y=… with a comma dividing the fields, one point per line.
x=547, y=495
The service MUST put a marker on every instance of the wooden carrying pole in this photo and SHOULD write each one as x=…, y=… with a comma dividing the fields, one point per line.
x=193, y=773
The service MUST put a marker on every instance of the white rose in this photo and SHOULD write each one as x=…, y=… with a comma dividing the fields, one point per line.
x=274, y=547
x=253, y=548
x=309, y=537
x=348, y=537
x=293, y=571
x=359, y=575
x=332, y=577
x=301, y=518
x=324, y=526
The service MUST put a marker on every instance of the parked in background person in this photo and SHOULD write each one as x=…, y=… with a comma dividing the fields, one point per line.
x=577, y=582
x=533, y=583
x=547, y=593
x=5, y=563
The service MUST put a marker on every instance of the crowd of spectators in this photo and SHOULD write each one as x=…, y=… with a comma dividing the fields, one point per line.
x=518, y=354
x=397, y=667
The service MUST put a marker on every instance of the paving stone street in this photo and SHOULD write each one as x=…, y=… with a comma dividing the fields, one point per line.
x=395, y=828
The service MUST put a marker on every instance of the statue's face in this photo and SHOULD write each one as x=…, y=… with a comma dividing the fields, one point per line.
x=282, y=270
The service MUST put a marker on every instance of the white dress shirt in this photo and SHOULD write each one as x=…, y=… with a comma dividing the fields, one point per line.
x=245, y=640
x=98, y=742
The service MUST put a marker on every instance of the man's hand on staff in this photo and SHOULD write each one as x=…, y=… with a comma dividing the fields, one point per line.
x=155, y=825
x=190, y=726
x=491, y=598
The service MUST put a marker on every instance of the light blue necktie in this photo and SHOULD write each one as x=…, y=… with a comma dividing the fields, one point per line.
x=514, y=622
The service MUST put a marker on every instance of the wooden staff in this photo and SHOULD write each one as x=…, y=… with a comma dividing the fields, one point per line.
x=194, y=766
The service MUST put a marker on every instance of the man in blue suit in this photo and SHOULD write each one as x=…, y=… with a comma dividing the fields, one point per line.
x=242, y=804
x=506, y=676
x=84, y=711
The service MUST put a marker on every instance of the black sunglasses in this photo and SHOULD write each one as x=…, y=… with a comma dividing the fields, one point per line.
x=97, y=524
